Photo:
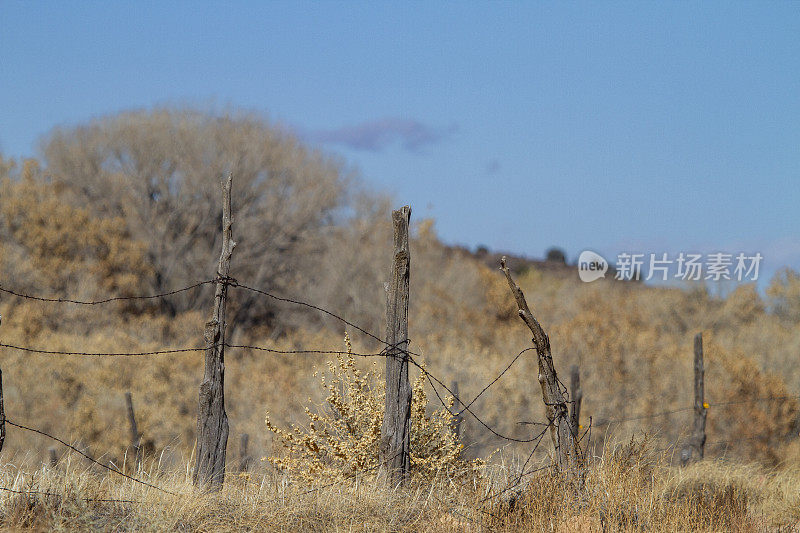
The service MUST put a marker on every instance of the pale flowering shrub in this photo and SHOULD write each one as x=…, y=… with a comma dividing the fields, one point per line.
x=342, y=437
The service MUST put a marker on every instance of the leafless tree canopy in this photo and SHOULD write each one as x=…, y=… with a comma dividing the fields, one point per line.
x=161, y=170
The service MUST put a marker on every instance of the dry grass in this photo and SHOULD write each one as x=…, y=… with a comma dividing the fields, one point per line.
x=629, y=489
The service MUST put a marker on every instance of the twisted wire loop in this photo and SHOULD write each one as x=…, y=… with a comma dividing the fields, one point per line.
x=225, y=280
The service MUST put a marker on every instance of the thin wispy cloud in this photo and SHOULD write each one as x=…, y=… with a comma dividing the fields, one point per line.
x=376, y=135
x=492, y=167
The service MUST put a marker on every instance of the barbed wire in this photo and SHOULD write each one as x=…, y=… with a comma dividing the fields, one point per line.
x=105, y=300
x=400, y=349
x=522, y=474
x=706, y=406
x=99, y=354
x=185, y=350
x=61, y=496
x=431, y=378
x=644, y=417
x=88, y=457
x=390, y=350
x=288, y=352
x=301, y=303
x=305, y=352
x=495, y=380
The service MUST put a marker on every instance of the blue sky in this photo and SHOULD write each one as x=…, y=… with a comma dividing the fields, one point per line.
x=641, y=126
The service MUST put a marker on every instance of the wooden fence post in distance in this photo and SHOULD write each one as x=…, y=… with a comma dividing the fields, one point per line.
x=699, y=429
x=576, y=396
x=567, y=451
x=212, y=421
x=244, y=458
x=136, y=438
x=395, y=445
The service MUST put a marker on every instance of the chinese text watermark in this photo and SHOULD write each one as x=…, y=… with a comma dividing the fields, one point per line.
x=715, y=266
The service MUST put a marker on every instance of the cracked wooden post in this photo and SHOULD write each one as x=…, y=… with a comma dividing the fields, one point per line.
x=698, y=441
x=395, y=446
x=136, y=437
x=212, y=421
x=568, y=456
x=576, y=396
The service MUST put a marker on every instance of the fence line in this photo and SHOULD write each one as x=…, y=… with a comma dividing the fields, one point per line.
x=432, y=379
x=234, y=283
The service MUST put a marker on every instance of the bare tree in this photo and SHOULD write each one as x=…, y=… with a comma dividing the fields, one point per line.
x=159, y=169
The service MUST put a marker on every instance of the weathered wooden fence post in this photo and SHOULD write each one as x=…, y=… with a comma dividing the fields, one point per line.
x=136, y=437
x=212, y=421
x=576, y=396
x=698, y=441
x=567, y=451
x=244, y=458
x=458, y=419
x=395, y=446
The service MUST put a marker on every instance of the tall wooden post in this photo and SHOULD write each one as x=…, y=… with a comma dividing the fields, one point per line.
x=136, y=438
x=699, y=428
x=565, y=444
x=395, y=446
x=576, y=395
x=212, y=421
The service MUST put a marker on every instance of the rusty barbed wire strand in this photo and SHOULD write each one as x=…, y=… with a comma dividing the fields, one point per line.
x=304, y=352
x=495, y=380
x=61, y=496
x=431, y=378
x=522, y=474
x=185, y=350
x=106, y=300
x=99, y=354
x=321, y=310
x=685, y=409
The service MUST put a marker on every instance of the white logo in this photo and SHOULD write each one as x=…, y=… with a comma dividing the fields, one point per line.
x=591, y=266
